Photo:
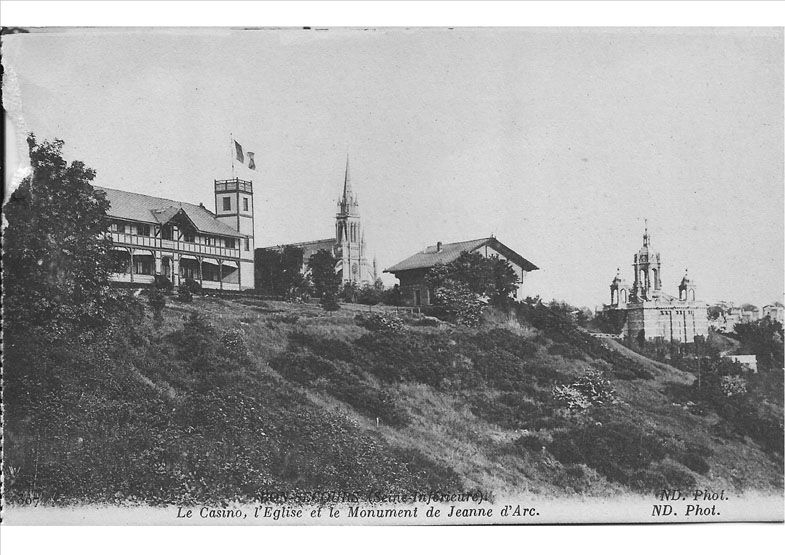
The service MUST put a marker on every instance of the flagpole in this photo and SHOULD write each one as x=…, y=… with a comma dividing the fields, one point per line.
x=231, y=140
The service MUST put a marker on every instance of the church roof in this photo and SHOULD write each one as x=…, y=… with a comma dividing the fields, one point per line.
x=155, y=210
x=318, y=244
x=447, y=252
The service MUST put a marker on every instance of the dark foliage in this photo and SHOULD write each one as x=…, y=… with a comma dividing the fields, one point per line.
x=556, y=323
x=342, y=382
x=279, y=273
x=763, y=338
x=193, y=286
x=379, y=322
x=163, y=283
x=104, y=428
x=157, y=301
x=55, y=248
x=372, y=294
x=184, y=294
x=326, y=282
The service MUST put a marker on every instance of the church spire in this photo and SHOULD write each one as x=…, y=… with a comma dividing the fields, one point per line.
x=347, y=184
x=646, y=232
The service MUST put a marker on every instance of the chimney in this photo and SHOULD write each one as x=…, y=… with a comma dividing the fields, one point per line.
x=439, y=246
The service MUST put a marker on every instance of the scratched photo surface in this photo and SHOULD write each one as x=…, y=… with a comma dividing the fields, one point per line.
x=392, y=276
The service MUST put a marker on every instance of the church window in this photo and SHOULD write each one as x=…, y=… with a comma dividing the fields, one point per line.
x=692, y=294
x=247, y=244
x=227, y=203
x=245, y=204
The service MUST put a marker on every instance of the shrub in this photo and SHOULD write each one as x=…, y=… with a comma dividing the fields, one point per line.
x=193, y=286
x=338, y=379
x=575, y=478
x=371, y=294
x=410, y=356
x=696, y=463
x=676, y=476
x=163, y=283
x=157, y=301
x=589, y=391
x=184, y=294
x=379, y=322
x=456, y=303
x=329, y=301
x=234, y=343
x=616, y=449
x=531, y=442
x=733, y=385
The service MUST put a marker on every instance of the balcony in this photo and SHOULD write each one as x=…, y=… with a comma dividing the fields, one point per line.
x=143, y=241
x=231, y=185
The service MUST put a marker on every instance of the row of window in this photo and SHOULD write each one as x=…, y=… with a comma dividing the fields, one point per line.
x=227, y=204
x=147, y=268
x=678, y=312
x=188, y=236
x=131, y=229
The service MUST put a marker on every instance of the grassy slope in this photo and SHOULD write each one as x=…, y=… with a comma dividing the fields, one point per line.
x=445, y=428
x=328, y=414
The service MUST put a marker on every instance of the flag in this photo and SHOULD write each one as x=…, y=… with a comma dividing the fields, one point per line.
x=251, y=163
x=239, y=150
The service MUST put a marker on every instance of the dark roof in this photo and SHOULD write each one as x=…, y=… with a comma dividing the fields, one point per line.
x=154, y=210
x=432, y=255
x=309, y=247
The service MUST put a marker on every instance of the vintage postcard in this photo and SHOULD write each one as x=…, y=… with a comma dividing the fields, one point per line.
x=410, y=276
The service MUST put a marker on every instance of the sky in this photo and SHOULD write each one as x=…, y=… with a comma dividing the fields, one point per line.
x=560, y=142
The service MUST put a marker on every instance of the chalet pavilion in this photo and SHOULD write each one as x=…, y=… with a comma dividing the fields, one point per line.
x=156, y=236
x=411, y=272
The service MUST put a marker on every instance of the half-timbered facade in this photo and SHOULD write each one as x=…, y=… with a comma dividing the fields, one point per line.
x=156, y=236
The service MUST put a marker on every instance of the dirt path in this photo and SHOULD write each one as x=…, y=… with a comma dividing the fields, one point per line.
x=662, y=372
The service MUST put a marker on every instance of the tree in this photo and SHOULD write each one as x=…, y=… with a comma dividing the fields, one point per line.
x=55, y=264
x=763, y=338
x=459, y=287
x=326, y=282
x=279, y=272
x=372, y=294
x=490, y=277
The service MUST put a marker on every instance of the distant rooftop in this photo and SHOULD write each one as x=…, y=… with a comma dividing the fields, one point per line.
x=447, y=252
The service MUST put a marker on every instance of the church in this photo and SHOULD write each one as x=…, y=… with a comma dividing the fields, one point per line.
x=348, y=244
x=646, y=311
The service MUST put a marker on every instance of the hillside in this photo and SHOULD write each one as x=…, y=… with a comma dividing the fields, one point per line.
x=226, y=399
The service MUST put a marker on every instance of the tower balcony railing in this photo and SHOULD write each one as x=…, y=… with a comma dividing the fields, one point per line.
x=146, y=241
x=231, y=185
